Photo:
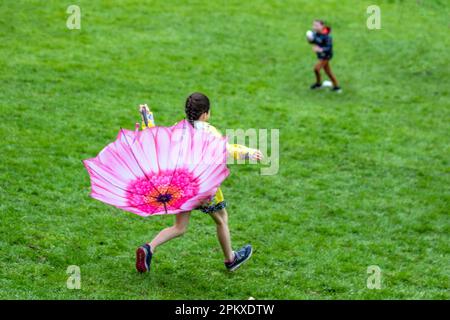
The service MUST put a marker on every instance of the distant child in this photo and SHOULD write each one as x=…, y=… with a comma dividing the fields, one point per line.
x=323, y=47
x=198, y=112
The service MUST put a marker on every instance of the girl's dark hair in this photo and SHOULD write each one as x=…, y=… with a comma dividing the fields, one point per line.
x=327, y=29
x=196, y=104
x=320, y=21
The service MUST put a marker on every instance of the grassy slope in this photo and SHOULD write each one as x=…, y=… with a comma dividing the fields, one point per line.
x=363, y=176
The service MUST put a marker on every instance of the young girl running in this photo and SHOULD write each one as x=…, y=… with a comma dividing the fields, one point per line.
x=323, y=46
x=198, y=112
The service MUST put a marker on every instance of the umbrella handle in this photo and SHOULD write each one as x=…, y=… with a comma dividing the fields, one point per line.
x=144, y=116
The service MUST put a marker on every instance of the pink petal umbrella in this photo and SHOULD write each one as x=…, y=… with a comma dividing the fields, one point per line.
x=160, y=170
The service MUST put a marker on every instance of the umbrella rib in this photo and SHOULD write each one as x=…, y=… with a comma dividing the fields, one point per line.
x=115, y=194
x=137, y=207
x=176, y=165
x=123, y=189
x=140, y=204
x=134, y=205
x=137, y=162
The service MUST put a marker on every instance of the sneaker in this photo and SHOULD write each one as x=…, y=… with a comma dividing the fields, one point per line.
x=316, y=86
x=143, y=258
x=337, y=89
x=239, y=258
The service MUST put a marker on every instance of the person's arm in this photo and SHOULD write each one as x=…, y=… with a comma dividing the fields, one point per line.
x=316, y=48
x=238, y=151
x=147, y=117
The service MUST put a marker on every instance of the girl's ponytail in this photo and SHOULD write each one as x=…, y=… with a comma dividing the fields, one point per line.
x=196, y=105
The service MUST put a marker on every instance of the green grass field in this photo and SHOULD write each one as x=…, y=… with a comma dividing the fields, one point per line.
x=363, y=179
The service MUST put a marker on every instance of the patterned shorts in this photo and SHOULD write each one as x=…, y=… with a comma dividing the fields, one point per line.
x=216, y=204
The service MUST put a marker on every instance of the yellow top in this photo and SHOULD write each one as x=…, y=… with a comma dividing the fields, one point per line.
x=237, y=151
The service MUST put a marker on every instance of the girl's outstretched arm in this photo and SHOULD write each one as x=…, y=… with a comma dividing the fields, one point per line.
x=238, y=151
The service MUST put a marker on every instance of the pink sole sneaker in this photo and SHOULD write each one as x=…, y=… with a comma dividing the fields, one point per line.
x=143, y=258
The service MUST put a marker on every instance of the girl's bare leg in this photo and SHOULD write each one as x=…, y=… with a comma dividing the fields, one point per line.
x=178, y=229
x=319, y=65
x=330, y=74
x=223, y=233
